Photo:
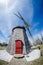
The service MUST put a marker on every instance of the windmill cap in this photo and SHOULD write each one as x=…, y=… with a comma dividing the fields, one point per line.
x=21, y=27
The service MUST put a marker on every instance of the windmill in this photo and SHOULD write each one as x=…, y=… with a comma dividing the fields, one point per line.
x=27, y=25
x=19, y=43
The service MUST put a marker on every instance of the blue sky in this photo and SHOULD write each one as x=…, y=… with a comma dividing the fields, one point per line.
x=31, y=10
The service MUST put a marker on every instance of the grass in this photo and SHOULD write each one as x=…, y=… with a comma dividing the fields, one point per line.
x=36, y=62
x=41, y=46
x=2, y=47
x=3, y=62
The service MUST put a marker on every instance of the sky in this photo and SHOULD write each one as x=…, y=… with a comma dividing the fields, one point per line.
x=31, y=10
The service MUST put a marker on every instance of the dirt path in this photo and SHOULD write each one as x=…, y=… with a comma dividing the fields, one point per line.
x=21, y=61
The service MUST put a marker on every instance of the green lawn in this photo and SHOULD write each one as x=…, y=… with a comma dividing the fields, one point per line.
x=37, y=62
x=2, y=47
x=3, y=62
x=41, y=46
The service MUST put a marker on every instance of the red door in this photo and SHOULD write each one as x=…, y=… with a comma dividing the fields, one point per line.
x=19, y=47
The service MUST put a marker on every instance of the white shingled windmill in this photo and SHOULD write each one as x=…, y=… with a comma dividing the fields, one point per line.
x=19, y=43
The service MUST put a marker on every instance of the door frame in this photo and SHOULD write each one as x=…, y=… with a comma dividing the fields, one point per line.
x=22, y=45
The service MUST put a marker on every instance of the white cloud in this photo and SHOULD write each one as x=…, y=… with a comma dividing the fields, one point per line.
x=9, y=20
x=3, y=1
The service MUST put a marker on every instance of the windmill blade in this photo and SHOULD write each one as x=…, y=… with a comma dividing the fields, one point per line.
x=26, y=23
x=20, y=17
x=29, y=32
x=31, y=35
x=17, y=15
